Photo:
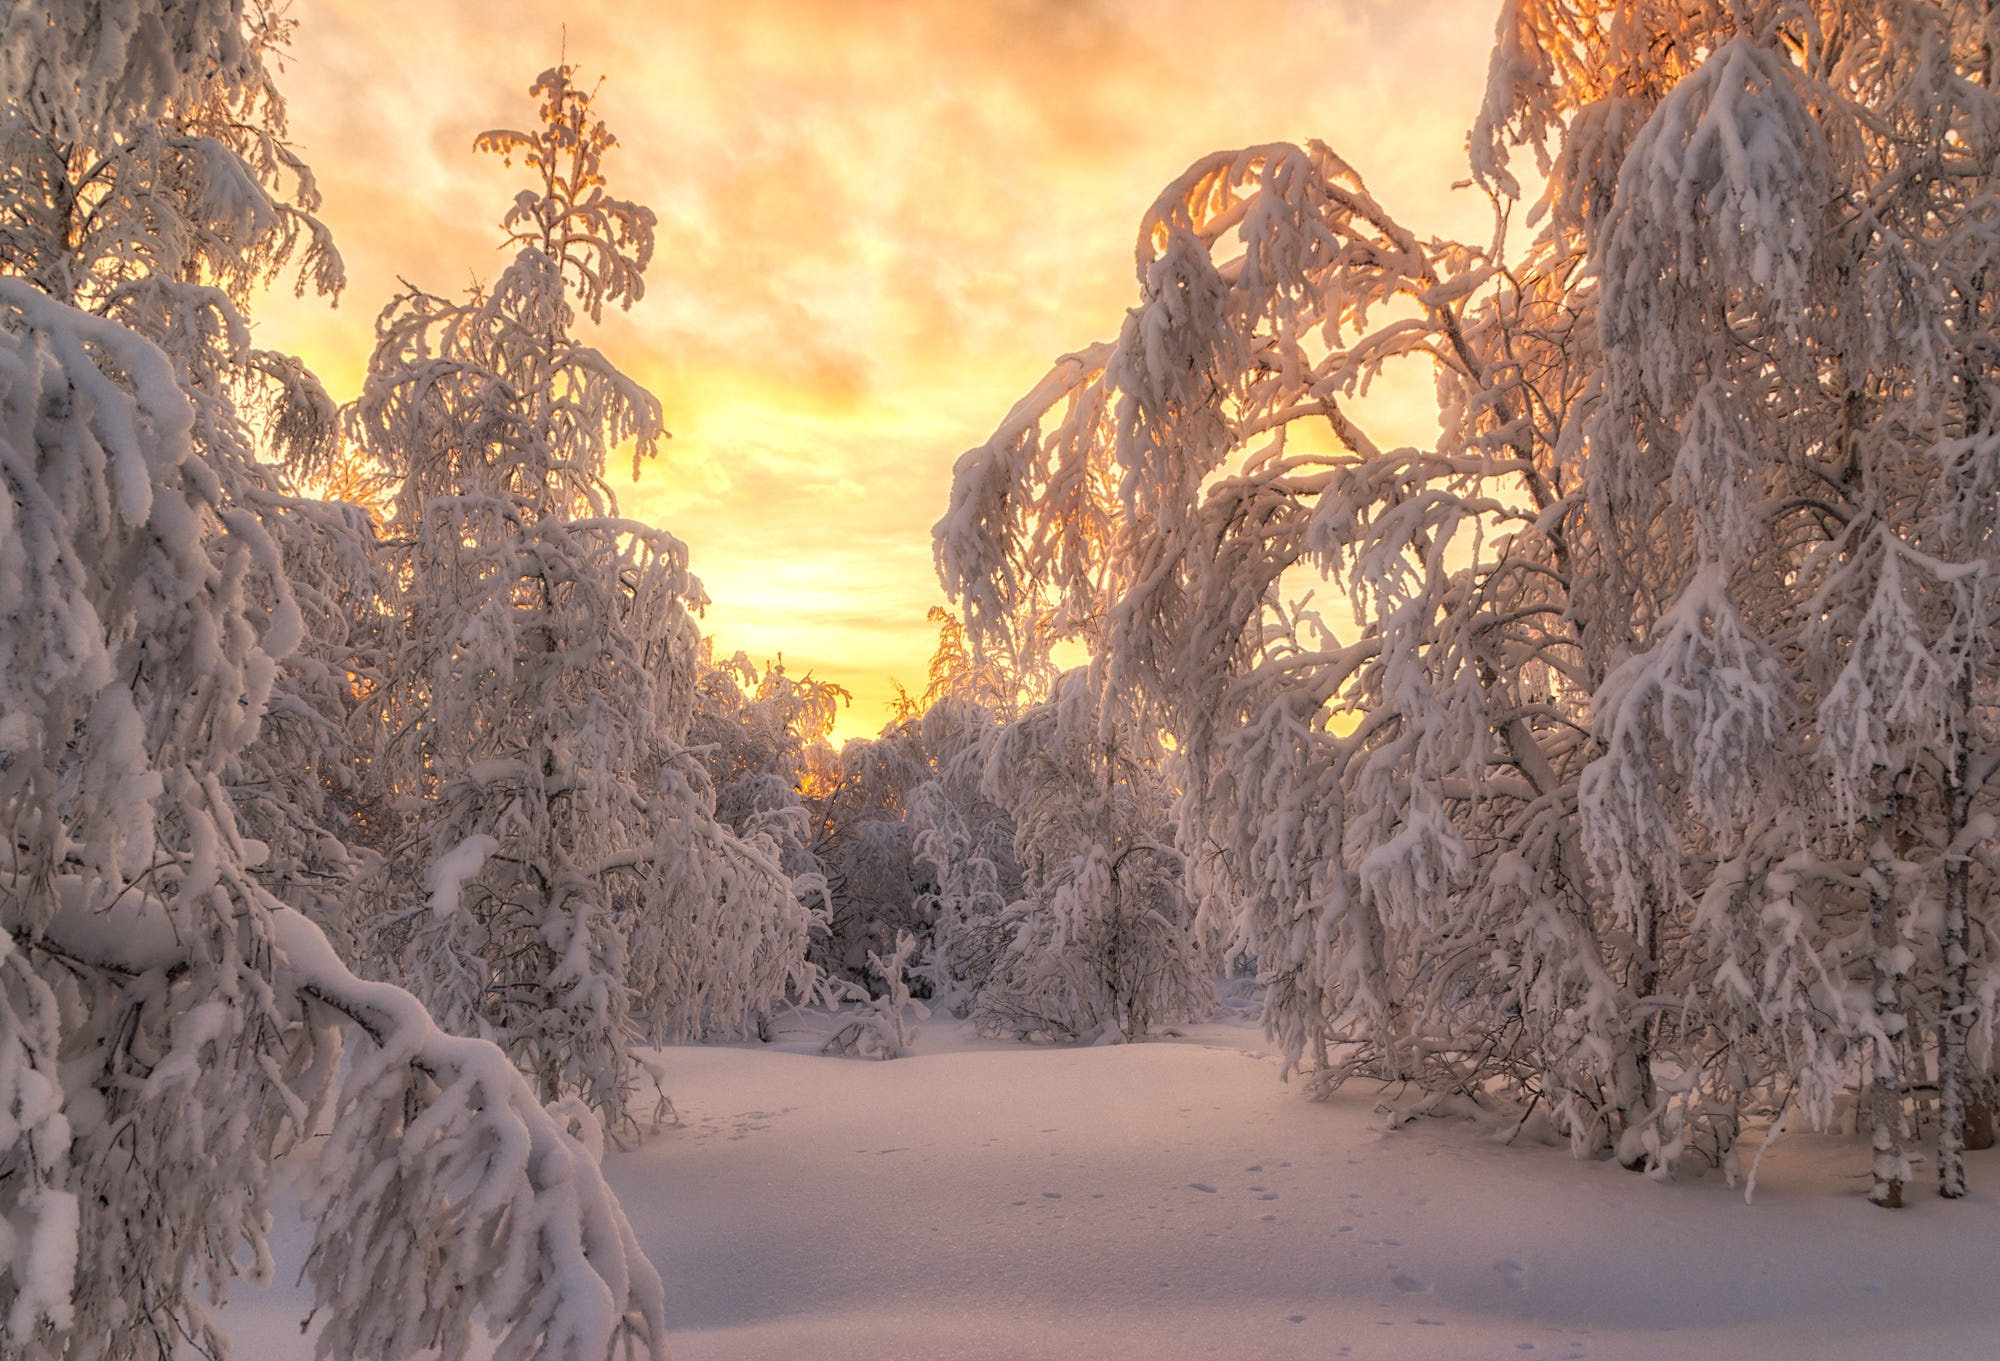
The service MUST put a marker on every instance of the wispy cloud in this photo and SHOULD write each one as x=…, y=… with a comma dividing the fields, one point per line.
x=878, y=224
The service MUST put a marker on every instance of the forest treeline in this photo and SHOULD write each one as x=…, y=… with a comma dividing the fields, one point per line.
x=1620, y=764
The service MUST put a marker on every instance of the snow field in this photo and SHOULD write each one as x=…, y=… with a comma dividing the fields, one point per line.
x=1152, y=1202
x=1174, y=1199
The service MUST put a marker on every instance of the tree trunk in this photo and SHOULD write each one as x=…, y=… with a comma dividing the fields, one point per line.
x=1889, y=1125
x=1957, y=1024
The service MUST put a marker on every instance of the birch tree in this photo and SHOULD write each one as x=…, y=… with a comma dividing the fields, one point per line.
x=1647, y=778
x=1102, y=942
x=566, y=885
x=168, y=1029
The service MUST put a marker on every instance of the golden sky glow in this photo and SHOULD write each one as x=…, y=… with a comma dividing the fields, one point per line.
x=879, y=224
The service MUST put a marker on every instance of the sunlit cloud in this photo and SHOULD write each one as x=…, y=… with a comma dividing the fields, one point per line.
x=879, y=223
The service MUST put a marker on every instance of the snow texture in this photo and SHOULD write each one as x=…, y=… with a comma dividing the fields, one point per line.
x=1173, y=1201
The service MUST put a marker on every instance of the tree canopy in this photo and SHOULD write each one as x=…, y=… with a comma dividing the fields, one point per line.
x=1644, y=777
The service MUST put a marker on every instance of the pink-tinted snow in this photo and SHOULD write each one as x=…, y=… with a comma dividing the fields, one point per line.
x=1175, y=1200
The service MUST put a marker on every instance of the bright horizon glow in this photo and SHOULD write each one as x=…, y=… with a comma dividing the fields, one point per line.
x=875, y=235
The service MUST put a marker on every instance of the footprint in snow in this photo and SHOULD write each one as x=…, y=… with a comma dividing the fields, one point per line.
x=1412, y=1285
x=1295, y=1318
x=1052, y=1195
x=1201, y=1187
x=1511, y=1272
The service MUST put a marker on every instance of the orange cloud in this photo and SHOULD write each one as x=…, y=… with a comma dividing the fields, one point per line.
x=879, y=222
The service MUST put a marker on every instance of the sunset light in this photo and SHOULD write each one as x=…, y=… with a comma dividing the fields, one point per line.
x=1013, y=680
x=879, y=224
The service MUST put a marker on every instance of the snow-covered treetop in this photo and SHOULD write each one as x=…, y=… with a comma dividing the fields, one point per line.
x=601, y=244
x=491, y=396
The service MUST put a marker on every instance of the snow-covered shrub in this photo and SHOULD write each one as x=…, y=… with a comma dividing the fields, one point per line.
x=881, y=1031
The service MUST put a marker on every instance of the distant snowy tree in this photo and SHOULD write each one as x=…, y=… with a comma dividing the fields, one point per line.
x=911, y=843
x=1102, y=941
x=857, y=798
x=759, y=735
x=569, y=889
x=962, y=675
x=168, y=1029
x=962, y=842
x=1649, y=779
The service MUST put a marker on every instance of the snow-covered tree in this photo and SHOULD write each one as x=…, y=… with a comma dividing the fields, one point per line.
x=168, y=1029
x=856, y=798
x=1102, y=942
x=1796, y=452
x=165, y=218
x=566, y=885
x=1382, y=811
x=962, y=842
x=1649, y=775
x=760, y=735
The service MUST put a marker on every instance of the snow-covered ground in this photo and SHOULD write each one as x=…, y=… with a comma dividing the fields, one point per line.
x=1174, y=1199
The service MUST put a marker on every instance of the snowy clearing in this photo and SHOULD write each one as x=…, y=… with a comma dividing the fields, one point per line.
x=1174, y=1199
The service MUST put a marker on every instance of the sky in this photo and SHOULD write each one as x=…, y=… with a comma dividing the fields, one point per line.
x=879, y=224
